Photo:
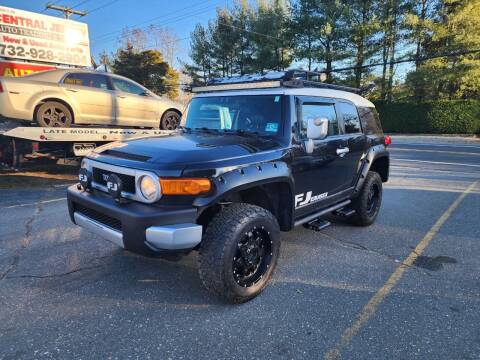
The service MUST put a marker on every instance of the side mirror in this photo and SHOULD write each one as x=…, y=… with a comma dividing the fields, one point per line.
x=317, y=128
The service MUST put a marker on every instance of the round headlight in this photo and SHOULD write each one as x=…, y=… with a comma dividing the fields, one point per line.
x=149, y=187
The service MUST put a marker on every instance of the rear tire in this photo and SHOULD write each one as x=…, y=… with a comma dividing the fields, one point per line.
x=170, y=120
x=54, y=114
x=239, y=252
x=367, y=204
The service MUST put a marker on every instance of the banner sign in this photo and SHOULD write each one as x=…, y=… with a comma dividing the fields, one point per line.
x=30, y=36
x=81, y=134
x=15, y=69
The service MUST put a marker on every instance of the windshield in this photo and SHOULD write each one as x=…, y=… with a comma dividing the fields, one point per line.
x=260, y=114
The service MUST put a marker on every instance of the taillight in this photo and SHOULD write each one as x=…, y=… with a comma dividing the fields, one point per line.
x=387, y=140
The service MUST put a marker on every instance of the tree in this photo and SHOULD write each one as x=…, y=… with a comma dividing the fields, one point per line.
x=270, y=36
x=147, y=68
x=241, y=15
x=201, y=54
x=332, y=34
x=304, y=30
x=363, y=24
x=454, y=28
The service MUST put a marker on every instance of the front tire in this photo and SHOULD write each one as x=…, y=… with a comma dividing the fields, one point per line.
x=170, y=120
x=54, y=114
x=367, y=204
x=239, y=252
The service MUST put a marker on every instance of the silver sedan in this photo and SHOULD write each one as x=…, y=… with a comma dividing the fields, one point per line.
x=60, y=98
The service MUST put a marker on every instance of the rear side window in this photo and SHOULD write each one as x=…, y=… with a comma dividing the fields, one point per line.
x=370, y=121
x=127, y=86
x=89, y=80
x=316, y=110
x=351, y=120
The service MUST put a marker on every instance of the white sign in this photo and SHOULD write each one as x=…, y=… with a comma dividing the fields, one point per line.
x=81, y=134
x=30, y=36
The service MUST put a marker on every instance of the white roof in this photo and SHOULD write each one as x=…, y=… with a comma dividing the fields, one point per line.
x=318, y=92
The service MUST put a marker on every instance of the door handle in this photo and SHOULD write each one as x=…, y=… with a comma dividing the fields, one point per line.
x=341, y=152
x=72, y=90
x=121, y=96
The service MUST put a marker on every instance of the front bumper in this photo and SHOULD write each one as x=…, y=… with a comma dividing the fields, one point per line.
x=135, y=226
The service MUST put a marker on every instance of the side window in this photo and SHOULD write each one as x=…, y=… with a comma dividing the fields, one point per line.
x=350, y=118
x=89, y=80
x=370, y=121
x=317, y=110
x=127, y=86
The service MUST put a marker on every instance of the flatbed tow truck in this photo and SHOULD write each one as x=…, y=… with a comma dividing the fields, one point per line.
x=66, y=145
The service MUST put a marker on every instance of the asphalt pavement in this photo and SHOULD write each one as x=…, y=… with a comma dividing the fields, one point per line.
x=407, y=287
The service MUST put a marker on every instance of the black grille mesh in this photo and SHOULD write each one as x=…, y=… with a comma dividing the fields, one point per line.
x=128, y=181
x=99, y=217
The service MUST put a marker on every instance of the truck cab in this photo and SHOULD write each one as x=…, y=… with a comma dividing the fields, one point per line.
x=254, y=156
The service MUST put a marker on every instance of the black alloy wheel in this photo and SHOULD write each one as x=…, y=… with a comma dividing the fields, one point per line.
x=170, y=120
x=253, y=257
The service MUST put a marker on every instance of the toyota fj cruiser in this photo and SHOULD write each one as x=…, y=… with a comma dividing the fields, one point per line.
x=254, y=156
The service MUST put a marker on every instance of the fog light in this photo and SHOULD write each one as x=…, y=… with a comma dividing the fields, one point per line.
x=85, y=178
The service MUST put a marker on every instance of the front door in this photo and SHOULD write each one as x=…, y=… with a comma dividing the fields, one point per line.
x=319, y=176
x=134, y=106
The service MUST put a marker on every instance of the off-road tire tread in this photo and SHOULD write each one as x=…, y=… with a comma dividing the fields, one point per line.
x=216, y=240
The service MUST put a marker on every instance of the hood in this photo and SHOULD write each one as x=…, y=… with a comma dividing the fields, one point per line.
x=192, y=149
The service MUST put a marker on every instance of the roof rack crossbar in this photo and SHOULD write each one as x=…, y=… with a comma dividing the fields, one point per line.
x=294, y=78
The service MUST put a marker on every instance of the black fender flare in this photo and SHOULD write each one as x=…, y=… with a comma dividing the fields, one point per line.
x=246, y=177
x=373, y=154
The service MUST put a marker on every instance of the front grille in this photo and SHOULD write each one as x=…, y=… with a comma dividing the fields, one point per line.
x=128, y=181
x=99, y=217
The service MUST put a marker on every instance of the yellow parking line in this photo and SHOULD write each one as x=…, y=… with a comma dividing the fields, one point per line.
x=369, y=310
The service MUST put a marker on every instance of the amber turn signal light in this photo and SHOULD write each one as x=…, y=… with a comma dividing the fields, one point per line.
x=185, y=186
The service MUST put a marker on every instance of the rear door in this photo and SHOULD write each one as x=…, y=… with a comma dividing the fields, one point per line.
x=319, y=176
x=134, y=105
x=355, y=138
x=92, y=95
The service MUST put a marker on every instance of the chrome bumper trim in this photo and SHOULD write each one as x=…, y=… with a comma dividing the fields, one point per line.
x=174, y=237
x=97, y=228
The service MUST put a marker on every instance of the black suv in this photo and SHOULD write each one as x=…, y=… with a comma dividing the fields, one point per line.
x=254, y=156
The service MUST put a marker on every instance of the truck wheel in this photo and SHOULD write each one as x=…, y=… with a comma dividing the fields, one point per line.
x=239, y=252
x=170, y=120
x=53, y=114
x=367, y=204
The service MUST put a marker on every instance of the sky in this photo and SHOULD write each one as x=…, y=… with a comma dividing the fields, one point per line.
x=109, y=17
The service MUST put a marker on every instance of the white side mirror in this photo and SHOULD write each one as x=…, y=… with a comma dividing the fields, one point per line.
x=317, y=128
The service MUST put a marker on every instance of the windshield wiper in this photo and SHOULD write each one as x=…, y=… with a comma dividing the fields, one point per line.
x=208, y=130
x=244, y=132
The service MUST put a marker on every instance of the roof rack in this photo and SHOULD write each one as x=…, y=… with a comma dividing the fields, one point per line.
x=291, y=78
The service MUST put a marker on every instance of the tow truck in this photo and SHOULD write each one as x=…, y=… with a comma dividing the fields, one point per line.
x=66, y=145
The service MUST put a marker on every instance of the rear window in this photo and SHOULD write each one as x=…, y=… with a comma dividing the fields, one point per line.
x=370, y=120
x=89, y=80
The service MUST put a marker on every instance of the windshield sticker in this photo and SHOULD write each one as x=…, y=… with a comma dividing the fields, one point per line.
x=271, y=127
x=277, y=98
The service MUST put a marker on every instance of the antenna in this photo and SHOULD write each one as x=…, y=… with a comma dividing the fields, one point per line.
x=67, y=12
